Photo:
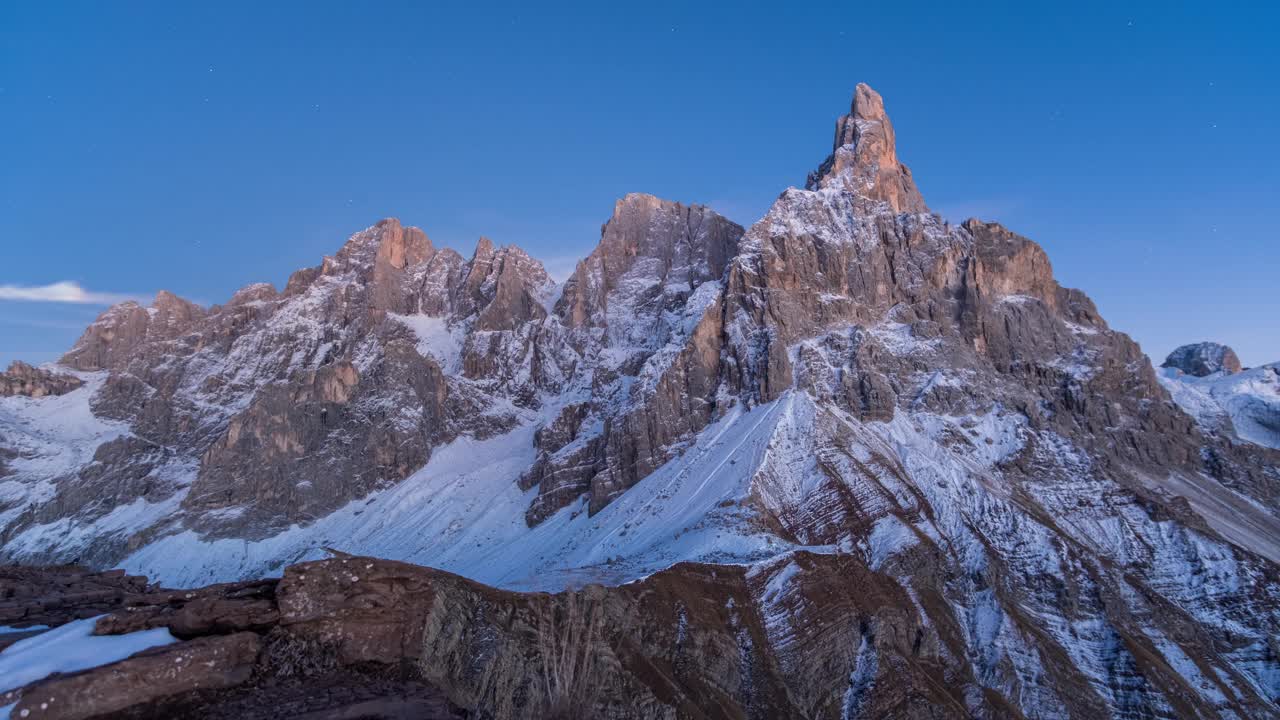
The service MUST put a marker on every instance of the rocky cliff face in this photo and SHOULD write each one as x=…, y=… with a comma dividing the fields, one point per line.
x=22, y=379
x=934, y=472
x=644, y=312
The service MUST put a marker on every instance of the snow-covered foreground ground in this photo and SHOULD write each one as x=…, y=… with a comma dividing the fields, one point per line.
x=69, y=648
x=464, y=512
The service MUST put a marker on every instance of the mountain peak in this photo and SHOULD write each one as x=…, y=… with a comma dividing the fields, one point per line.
x=167, y=301
x=386, y=241
x=866, y=105
x=484, y=250
x=864, y=158
x=1203, y=358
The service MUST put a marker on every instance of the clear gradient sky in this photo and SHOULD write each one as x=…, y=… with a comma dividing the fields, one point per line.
x=200, y=148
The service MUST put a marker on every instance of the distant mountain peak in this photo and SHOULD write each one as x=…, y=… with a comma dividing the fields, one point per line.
x=1203, y=358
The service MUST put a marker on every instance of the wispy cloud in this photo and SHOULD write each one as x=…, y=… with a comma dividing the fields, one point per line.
x=61, y=292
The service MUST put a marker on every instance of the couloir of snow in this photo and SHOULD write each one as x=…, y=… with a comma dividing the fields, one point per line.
x=463, y=512
x=1249, y=399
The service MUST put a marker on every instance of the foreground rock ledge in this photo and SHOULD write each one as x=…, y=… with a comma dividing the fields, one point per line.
x=811, y=636
x=359, y=637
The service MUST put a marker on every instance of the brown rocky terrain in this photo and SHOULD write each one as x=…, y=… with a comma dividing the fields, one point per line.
x=359, y=637
x=852, y=461
x=23, y=379
x=233, y=659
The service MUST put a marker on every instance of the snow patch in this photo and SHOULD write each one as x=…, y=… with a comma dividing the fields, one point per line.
x=889, y=536
x=70, y=648
x=436, y=340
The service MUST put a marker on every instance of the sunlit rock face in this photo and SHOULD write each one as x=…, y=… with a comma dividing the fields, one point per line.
x=916, y=464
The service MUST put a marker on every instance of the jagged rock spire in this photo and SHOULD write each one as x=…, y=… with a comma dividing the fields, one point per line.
x=864, y=158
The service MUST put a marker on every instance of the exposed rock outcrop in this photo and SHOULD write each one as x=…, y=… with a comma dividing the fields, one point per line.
x=203, y=664
x=814, y=636
x=123, y=331
x=1204, y=358
x=23, y=379
x=55, y=595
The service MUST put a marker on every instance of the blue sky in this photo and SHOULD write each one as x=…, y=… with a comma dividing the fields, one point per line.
x=198, y=149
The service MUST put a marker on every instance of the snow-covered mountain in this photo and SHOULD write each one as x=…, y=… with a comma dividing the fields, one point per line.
x=1207, y=381
x=852, y=377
